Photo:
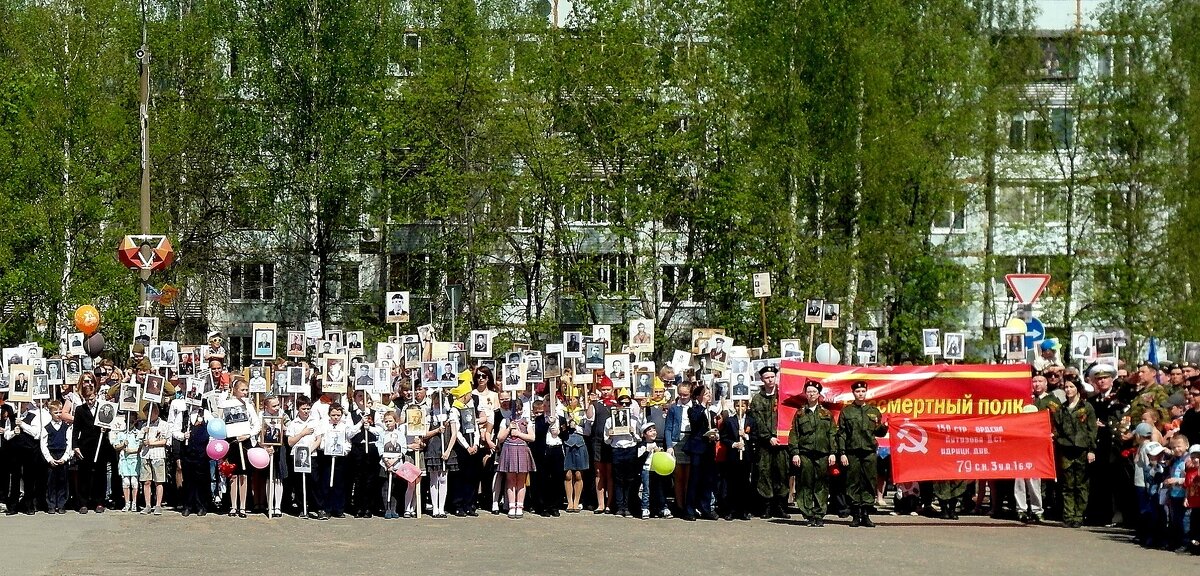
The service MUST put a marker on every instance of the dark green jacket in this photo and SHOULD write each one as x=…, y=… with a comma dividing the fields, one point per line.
x=858, y=428
x=1074, y=427
x=813, y=433
x=763, y=411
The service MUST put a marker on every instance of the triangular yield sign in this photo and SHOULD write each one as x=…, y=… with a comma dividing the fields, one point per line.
x=1027, y=287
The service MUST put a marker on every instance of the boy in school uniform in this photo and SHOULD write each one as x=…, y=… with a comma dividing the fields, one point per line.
x=32, y=426
x=56, y=450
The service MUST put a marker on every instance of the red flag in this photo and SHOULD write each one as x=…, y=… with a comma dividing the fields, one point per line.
x=975, y=448
x=909, y=391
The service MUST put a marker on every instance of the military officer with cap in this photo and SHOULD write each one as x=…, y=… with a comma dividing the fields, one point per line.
x=771, y=469
x=811, y=444
x=859, y=426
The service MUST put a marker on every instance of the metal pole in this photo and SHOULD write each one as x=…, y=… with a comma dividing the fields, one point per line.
x=143, y=55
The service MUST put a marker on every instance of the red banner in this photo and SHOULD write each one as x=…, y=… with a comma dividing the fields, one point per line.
x=973, y=448
x=909, y=391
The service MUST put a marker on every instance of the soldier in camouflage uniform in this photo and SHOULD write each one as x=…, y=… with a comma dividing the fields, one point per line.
x=858, y=427
x=811, y=443
x=1150, y=395
x=1074, y=427
x=771, y=467
x=948, y=493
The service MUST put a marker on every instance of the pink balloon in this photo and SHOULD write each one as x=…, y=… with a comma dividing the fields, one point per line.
x=217, y=449
x=258, y=457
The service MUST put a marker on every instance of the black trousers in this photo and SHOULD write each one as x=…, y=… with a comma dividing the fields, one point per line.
x=551, y=493
x=366, y=483
x=93, y=478
x=464, y=484
x=736, y=474
x=197, y=487
x=332, y=494
x=33, y=471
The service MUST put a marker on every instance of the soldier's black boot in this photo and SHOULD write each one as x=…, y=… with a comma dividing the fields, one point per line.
x=954, y=509
x=854, y=517
x=781, y=508
x=865, y=520
x=945, y=505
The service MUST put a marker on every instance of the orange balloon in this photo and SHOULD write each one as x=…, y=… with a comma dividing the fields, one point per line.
x=87, y=319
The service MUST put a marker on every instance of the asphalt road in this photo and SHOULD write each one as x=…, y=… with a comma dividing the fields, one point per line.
x=122, y=543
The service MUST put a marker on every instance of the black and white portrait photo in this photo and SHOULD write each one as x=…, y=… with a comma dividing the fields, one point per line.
x=930, y=341
x=514, y=378
x=594, y=355
x=813, y=311
x=295, y=347
x=481, y=343
x=620, y=421
x=573, y=344
x=303, y=459
x=833, y=315
x=153, y=388
x=1081, y=345
x=396, y=307
x=953, y=349
x=130, y=396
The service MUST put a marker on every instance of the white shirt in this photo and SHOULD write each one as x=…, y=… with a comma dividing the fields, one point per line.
x=46, y=450
x=624, y=440
x=37, y=424
x=153, y=431
x=294, y=428
x=177, y=417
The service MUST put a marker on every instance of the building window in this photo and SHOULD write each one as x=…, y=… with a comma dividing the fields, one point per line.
x=342, y=282
x=591, y=202
x=412, y=271
x=410, y=60
x=611, y=273
x=682, y=284
x=1041, y=130
x=239, y=352
x=1056, y=60
x=1030, y=204
x=252, y=281
x=951, y=220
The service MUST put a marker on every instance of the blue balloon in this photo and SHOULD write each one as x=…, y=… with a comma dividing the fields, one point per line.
x=216, y=429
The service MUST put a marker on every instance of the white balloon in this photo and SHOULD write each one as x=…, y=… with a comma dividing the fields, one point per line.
x=827, y=354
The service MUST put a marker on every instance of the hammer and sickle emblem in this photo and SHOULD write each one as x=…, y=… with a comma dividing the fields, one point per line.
x=913, y=438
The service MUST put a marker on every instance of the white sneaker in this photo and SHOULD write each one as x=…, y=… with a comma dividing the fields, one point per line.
x=146, y=510
x=157, y=511
x=645, y=514
x=666, y=513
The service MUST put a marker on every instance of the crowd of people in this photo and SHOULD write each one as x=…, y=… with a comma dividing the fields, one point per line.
x=1121, y=443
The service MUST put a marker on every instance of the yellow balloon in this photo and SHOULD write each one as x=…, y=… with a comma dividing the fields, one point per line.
x=1017, y=324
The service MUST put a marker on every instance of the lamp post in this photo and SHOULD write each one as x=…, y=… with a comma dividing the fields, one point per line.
x=143, y=56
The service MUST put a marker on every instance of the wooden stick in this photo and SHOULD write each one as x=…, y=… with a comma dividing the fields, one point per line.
x=271, y=485
x=763, y=306
x=812, y=332
x=332, y=469
x=304, y=492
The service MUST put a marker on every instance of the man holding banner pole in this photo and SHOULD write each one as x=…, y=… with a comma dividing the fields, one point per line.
x=859, y=426
x=771, y=470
